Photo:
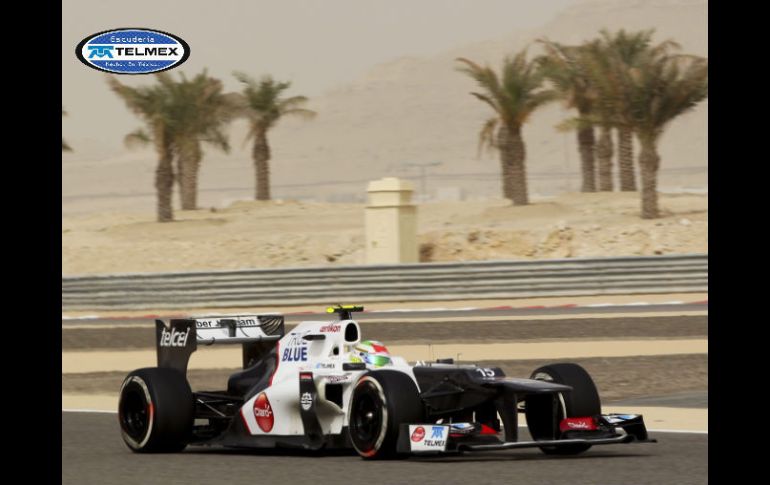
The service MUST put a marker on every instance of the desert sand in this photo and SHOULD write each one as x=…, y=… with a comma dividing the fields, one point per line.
x=251, y=234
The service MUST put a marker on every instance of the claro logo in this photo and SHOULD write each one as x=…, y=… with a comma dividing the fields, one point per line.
x=419, y=434
x=263, y=412
x=174, y=338
x=132, y=51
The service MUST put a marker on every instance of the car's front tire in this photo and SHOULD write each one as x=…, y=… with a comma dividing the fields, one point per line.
x=582, y=401
x=155, y=410
x=382, y=400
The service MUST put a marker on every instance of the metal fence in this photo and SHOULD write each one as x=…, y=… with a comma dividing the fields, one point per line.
x=403, y=282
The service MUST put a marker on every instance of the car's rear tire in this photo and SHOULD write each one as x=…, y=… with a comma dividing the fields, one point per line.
x=582, y=401
x=382, y=400
x=156, y=410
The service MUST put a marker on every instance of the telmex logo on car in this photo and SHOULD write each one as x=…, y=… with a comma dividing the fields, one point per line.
x=132, y=51
x=422, y=441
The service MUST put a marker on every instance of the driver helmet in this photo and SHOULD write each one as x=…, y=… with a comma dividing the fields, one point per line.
x=371, y=352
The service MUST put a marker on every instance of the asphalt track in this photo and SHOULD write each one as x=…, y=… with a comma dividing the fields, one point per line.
x=93, y=453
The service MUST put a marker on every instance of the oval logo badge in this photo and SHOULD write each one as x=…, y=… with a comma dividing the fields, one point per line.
x=263, y=412
x=132, y=51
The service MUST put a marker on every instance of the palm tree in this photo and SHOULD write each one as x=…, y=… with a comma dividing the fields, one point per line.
x=626, y=48
x=196, y=112
x=563, y=67
x=648, y=96
x=263, y=106
x=601, y=116
x=513, y=96
x=153, y=105
x=604, y=158
x=64, y=146
x=202, y=110
x=663, y=90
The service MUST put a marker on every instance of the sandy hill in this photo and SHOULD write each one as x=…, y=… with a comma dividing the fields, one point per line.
x=417, y=110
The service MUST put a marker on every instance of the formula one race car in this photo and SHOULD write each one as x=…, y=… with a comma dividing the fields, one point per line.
x=321, y=386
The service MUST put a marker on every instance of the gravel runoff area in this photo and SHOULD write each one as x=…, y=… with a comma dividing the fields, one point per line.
x=470, y=331
x=618, y=378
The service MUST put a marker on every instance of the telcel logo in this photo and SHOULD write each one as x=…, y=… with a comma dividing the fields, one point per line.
x=173, y=338
x=132, y=51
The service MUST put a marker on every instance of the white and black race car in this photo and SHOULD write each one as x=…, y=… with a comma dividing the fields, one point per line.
x=310, y=388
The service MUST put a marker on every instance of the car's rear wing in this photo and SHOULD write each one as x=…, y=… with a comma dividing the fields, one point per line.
x=176, y=341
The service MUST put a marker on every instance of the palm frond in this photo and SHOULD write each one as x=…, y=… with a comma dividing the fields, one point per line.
x=487, y=135
x=576, y=123
x=137, y=138
x=262, y=102
x=305, y=114
x=562, y=66
x=513, y=96
x=487, y=79
x=218, y=139
x=489, y=101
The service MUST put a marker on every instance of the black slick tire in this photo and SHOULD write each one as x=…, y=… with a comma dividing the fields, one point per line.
x=155, y=410
x=582, y=401
x=382, y=400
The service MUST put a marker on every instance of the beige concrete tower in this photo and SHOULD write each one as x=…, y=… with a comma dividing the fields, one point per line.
x=391, y=222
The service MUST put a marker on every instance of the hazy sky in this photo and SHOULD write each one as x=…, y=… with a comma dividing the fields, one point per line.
x=316, y=44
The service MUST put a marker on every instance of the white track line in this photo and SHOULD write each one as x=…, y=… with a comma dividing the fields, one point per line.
x=101, y=411
x=687, y=431
x=683, y=431
x=465, y=309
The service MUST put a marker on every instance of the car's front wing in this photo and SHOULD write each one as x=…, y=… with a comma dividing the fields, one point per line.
x=460, y=437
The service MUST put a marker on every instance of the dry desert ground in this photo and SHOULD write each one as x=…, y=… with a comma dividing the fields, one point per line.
x=286, y=233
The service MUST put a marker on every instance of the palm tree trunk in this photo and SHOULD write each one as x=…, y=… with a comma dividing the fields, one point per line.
x=261, y=156
x=585, y=138
x=164, y=179
x=188, y=163
x=604, y=159
x=519, y=192
x=506, y=161
x=626, y=160
x=649, y=162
